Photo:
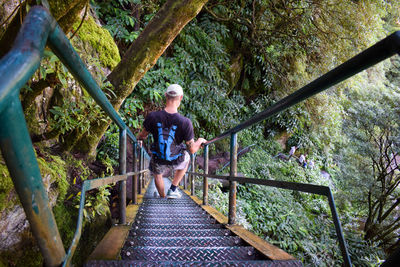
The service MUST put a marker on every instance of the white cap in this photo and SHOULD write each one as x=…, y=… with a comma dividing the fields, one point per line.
x=174, y=90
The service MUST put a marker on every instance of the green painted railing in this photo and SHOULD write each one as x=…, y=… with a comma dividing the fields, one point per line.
x=371, y=56
x=16, y=68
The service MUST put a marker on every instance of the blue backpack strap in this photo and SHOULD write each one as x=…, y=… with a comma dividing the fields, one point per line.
x=171, y=137
x=161, y=144
x=164, y=145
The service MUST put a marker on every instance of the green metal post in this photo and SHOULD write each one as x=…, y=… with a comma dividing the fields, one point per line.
x=18, y=153
x=122, y=170
x=143, y=175
x=192, y=176
x=135, y=176
x=205, y=179
x=338, y=228
x=140, y=169
x=185, y=177
x=232, y=184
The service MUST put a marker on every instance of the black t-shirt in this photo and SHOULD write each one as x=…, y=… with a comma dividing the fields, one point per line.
x=184, y=131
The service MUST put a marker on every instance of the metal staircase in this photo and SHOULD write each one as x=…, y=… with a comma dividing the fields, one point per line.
x=179, y=232
x=165, y=232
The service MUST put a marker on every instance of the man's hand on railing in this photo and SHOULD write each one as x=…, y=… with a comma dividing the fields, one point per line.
x=202, y=141
x=194, y=146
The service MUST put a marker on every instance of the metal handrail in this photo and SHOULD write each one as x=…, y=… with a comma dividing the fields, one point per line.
x=307, y=188
x=89, y=185
x=369, y=57
x=16, y=68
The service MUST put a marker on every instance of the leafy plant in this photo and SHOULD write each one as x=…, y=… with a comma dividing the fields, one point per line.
x=97, y=204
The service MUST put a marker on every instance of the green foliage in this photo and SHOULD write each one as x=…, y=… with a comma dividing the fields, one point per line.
x=97, y=204
x=108, y=149
x=76, y=115
x=299, y=223
x=123, y=19
x=119, y=21
x=372, y=126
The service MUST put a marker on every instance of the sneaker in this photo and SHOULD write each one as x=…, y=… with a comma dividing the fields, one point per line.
x=173, y=194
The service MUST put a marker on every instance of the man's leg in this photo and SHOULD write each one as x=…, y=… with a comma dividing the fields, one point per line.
x=180, y=171
x=159, y=181
x=178, y=176
x=157, y=171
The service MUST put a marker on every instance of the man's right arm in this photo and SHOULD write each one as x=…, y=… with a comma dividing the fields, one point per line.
x=143, y=135
x=194, y=146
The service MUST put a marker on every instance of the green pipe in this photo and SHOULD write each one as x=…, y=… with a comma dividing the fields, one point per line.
x=16, y=68
x=122, y=171
x=232, y=184
x=205, y=180
x=20, y=158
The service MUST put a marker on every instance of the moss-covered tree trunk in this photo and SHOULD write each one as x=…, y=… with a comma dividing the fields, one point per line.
x=66, y=12
x=141, y=56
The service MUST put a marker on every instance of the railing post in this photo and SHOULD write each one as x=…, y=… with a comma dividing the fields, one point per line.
x=205, y=179
x=135, y=176
x=143, y=175
x=232, y=184
x=140, y=169
x=192, y=176
x=185, y=181
x=18, y=153
x=122, y=170
x=342, y=242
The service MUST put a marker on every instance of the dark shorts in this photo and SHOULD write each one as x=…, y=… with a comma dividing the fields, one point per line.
x=157, y=168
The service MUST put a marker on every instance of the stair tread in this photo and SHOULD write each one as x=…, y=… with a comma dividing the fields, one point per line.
x=171, y=226
x=179, y=232
x=265, y=263
x=190, y=253
x=211, y=241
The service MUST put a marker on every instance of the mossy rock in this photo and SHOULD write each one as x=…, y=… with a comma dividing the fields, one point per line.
x=53, y=170
x=25, y=254
x=101, y=41
x=6, y=187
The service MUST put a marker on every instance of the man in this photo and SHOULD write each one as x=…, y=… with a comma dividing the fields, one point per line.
x=291, y=152
x=181, y=129
x=302, y=161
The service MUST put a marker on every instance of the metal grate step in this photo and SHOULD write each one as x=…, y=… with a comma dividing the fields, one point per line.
x=169, y=208
x=288, y=263
x=174, y=202
x=180, y=233
x=190, y=254
x=214, y=241
x=187, y=215
x=177, y=226
x=183, y=200
x=174, y=221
